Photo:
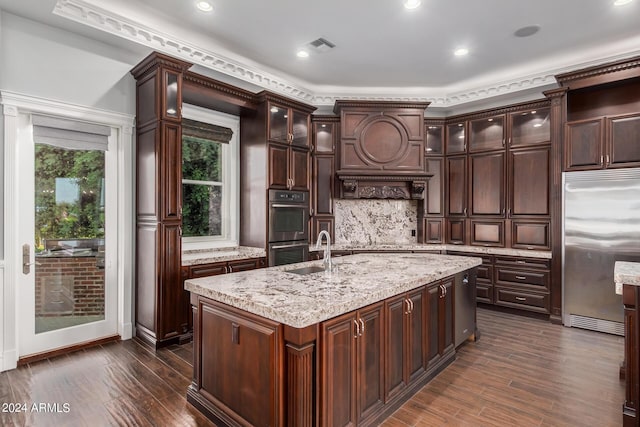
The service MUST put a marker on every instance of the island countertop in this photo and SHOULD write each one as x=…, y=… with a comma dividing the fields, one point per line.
x=303, y=300
x=627, y=273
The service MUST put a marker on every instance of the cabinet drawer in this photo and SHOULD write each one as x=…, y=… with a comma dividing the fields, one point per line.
x=485, y=272
x=531, y=278
x=523, y=300
x=484, y=292
x=524, y=262
x=205, y=270
x=244, y=265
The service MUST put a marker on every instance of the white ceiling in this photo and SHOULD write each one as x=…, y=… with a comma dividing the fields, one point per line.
x=383, y=51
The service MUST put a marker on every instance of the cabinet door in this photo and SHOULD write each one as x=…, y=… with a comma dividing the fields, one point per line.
x=583, y=145
x=434, y=140
x=487, y=184
x=325, y=137
x=623, y=145
x=486, y=134
x=243, y=265
x=339, y=371
x=529, y=172
x=416, y=335
x=323, y=184
x=456, y=142
x=251, y=346
x=456, y=231
x=530, y=128
x=170, y=191
x=370, y=361
x=457, y=186
x=320, y=223
x=486, y=232
x=446, y=326
x=396, y=312
x=434, y=230
x=278, y=123
x=299, y=128
x=278, y=166
x=299, y=169
x=435, y=187
x=434, y=292
x=171, y=317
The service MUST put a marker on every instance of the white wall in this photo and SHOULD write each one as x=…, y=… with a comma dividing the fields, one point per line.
x=47, y=62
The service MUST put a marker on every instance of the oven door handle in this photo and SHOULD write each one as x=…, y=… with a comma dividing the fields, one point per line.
x=290, y=246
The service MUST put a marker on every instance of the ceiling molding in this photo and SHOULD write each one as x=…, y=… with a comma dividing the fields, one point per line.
x=86, y=13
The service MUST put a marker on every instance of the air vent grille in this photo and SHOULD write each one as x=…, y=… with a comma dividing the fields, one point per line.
x=321, y=45
x=606, y=326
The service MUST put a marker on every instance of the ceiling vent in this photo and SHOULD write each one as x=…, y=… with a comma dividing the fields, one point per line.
x=321, y=45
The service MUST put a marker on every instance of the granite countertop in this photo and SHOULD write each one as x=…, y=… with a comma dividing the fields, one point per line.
x=627, y=273
x=435, y=247
x=207, y=256
x=303, y=300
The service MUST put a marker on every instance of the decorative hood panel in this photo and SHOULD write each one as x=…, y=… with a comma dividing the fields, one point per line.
x=382, y=149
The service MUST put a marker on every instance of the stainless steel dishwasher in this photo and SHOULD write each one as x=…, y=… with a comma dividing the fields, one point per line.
x=465, y=305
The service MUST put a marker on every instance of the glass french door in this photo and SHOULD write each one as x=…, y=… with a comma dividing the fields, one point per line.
x=67, y=292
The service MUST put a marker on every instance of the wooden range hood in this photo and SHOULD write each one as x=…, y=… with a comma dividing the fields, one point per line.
x=382, y=150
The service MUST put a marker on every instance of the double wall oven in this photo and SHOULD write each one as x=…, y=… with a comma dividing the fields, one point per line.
x=288, y=230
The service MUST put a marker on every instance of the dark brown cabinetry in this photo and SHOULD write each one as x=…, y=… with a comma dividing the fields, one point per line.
x=499, y=193
x=406, y=344
x=162, y=315
x=323, y=172
x=353, y=363
x=631, y=301
x=274, y=154
x=440, y=324
x=603, y=143
x=433, y=209
x=522, y=283
x=230, y=337
x=223, y=267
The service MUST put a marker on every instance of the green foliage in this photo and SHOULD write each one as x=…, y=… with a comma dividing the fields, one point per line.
x=68, y=220
x=201, y=161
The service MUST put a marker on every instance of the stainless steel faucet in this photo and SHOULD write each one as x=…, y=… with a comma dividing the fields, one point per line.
x=326, y=260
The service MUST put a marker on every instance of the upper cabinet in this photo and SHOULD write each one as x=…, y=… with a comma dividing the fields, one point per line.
x=602, y=143
x=456, y=138
x=602, y=128
x=434, y=137
x=531, y=127
x=287, y=125
x=487, y=134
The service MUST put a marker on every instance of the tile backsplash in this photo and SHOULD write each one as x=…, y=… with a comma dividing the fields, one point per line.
x=375, y=221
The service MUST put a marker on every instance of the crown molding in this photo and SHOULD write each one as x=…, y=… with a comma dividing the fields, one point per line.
x=112, y=22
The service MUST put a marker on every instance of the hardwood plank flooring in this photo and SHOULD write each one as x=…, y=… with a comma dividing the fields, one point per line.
x=522, y=372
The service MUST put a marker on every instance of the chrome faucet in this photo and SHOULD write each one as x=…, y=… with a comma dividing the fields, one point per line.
x=326, y=260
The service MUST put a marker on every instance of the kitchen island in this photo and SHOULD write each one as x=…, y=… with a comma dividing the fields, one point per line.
x=274, y=347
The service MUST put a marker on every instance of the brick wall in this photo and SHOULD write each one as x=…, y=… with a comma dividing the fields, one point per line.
x=69, y=286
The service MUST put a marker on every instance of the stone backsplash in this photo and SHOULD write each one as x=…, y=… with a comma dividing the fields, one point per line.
x=375, y=221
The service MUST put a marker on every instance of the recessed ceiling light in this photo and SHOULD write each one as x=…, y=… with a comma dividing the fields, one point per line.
x=412, y=4
x=621, y=2
x=204, y=6
x=302, y=54
x=527, y=31
x=461, y=51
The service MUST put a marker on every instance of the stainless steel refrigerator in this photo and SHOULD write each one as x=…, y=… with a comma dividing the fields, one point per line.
x=601, y=226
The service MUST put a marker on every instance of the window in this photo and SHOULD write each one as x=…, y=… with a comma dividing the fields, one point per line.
x=209, y=178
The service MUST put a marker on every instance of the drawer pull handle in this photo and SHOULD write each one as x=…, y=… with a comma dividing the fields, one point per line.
x=521, y=299
x=521, y=277
x=521, y=262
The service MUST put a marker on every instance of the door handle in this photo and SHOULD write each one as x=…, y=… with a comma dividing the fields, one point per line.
x=26, y=259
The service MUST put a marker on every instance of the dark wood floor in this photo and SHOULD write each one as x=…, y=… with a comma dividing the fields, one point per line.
x=522, y=372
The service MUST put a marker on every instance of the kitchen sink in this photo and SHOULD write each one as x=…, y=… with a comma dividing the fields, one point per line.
x=306, y=270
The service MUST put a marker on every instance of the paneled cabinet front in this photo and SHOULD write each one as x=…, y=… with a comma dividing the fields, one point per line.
x=288, y=167
x=440, y=321
x=323, y=172
x=353, y=366
x=406, y=344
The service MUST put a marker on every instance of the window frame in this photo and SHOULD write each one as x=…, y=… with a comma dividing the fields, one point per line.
x=230, y=180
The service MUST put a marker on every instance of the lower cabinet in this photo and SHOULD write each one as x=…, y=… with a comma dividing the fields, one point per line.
x=440, y=330
x=630, y=300
x=352, y=366
x=222, y=267
x=406, y=340
x=522, y=283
